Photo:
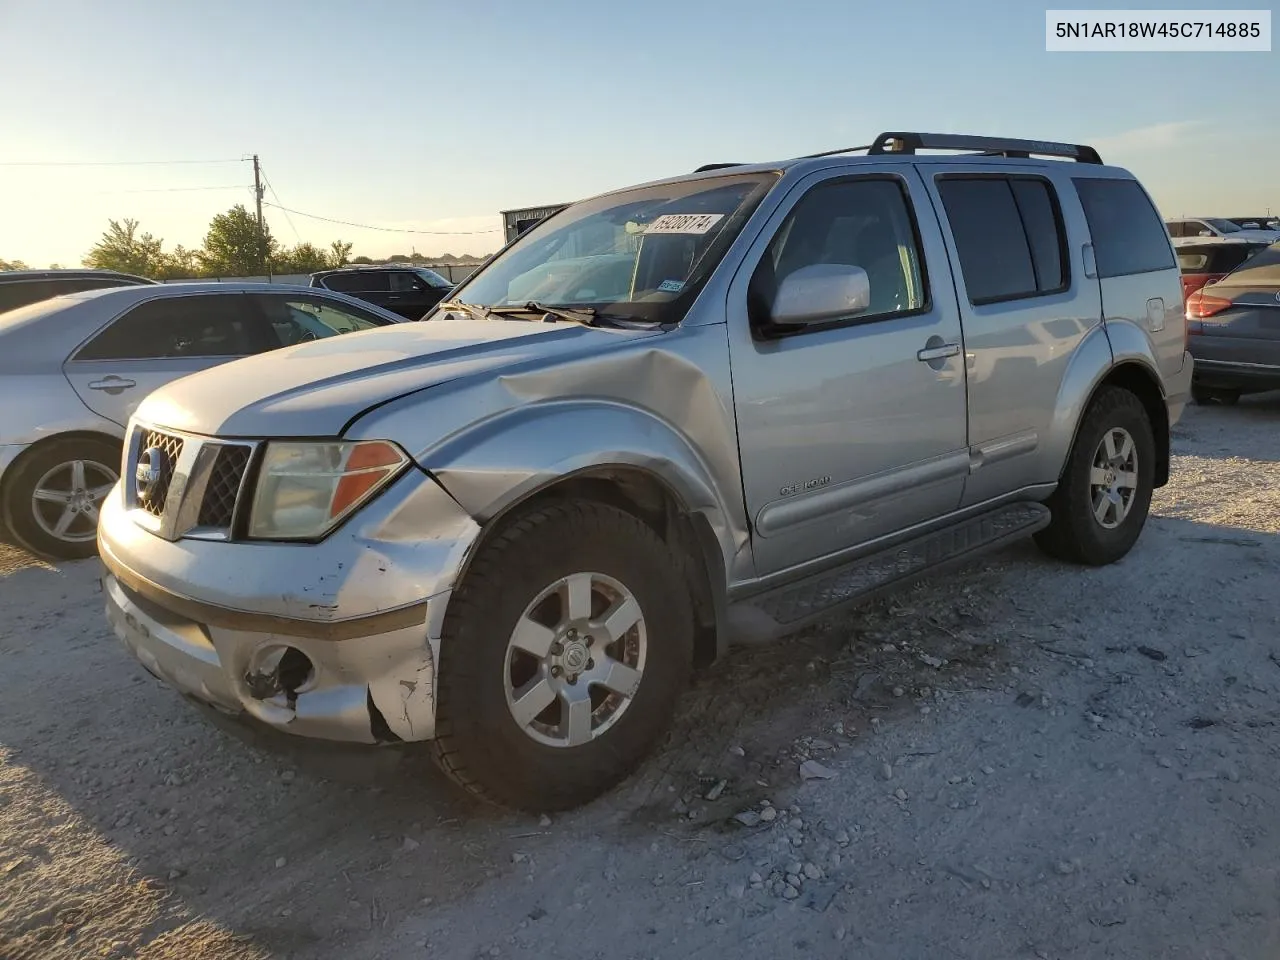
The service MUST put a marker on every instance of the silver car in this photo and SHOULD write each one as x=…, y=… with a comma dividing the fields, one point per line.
x=74, y=368
x=698, y=411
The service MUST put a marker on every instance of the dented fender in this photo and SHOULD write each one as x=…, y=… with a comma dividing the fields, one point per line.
x=657, y=404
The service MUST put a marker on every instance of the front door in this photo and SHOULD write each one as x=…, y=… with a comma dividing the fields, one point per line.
x=856, y=428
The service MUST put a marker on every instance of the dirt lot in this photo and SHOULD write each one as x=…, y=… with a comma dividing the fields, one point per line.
x=1025, y=760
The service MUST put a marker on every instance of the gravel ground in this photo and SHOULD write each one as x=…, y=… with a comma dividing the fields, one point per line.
x=1021, y=759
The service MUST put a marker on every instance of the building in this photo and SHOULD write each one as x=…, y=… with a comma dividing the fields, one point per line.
x=516, y=222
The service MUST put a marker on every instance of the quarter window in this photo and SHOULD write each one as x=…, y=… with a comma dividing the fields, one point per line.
x=1128, y=236
x=216, y=325
x=1008, y=236
x=863, y=223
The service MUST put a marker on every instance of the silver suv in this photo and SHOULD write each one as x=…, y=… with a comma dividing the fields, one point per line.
x=703, y=410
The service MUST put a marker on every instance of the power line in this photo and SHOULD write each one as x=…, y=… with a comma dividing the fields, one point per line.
x=107, y=163
x=267, y=180
x=233, y=186
x=365, y=226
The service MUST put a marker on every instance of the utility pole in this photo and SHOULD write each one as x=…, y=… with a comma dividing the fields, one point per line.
x=262, y=234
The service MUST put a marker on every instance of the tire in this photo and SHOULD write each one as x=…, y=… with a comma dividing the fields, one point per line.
x=531, y=765
x=1204, y=396
x=1076, y=533
x=51, y=468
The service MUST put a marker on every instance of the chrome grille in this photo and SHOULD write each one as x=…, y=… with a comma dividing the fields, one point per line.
x=172, y=448
x=217, y=509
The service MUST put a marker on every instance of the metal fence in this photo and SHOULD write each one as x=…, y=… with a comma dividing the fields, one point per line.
x=453, y=272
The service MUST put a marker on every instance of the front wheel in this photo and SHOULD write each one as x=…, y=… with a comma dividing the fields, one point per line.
x=564, y=650
x=1102, y=500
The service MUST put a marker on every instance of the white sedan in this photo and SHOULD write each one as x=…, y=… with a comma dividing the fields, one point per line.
x=74, y=368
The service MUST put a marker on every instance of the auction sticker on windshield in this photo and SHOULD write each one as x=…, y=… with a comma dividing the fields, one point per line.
x=684, y=223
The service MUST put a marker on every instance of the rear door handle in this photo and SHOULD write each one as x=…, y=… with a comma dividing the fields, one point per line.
x=938, y=353
x=112, y=384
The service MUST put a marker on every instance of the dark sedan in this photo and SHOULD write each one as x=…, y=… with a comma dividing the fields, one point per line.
x=1233, y=329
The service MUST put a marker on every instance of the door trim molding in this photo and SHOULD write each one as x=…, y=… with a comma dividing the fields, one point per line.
x=781, y=515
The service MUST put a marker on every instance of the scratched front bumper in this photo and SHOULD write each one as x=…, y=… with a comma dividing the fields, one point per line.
x=364, y=607
x=361, y=690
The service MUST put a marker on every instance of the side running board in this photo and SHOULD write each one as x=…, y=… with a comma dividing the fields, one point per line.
x=787, y=608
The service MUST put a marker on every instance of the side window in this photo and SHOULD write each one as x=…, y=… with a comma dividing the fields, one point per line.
x=343, y=282
x=1177, y=228
x=1008, y=235
x=296, y=319
x=402, y=281
x=1128, y=236
x=214, y=325
x=374, y=281
x=864, y=222
x=1043, y=223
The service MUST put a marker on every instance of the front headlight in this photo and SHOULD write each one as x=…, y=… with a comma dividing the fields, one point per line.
x=304, y=490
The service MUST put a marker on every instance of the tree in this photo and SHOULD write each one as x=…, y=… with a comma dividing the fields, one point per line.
x=339, y=250
x=231, y=247
x=304, y=258
x=123, y=248
x=362, y=260
x=181, y=264
x=12, y=265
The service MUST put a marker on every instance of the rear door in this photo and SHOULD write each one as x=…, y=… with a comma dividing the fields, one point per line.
x=160, y=340
x=1137, y=271
x=1025, y=304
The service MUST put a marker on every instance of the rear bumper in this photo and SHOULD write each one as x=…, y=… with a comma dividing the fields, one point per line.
x=1229, y=374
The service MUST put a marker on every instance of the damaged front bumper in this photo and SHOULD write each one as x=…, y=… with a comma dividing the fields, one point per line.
x=346, y=655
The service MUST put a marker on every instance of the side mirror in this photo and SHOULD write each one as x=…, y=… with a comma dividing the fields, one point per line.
x=821, y=292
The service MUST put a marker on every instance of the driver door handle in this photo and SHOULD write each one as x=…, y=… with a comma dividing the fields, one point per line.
x=112, y=384
x=938, y=353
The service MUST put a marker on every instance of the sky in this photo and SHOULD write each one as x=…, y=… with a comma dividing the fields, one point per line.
x=418, y=115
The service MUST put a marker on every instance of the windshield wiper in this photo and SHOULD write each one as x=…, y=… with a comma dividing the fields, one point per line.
x=474, y=310
x=587, y=316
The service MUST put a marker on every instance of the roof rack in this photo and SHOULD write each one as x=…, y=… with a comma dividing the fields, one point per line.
x=715, y=166
x=985, y=146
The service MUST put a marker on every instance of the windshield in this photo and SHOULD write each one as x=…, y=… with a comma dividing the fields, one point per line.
x=1223, y=226
x=640, y=254
x=434, y=279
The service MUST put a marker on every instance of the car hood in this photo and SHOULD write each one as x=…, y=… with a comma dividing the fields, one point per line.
x=316, y=389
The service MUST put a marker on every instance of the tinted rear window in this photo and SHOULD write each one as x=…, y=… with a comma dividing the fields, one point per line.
x=1128, y=235
x=1261, y=270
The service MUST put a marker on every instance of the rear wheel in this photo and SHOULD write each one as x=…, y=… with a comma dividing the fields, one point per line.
x=1102, y=500
x=564, y=651
x=52, y=500
x=1207, y=395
